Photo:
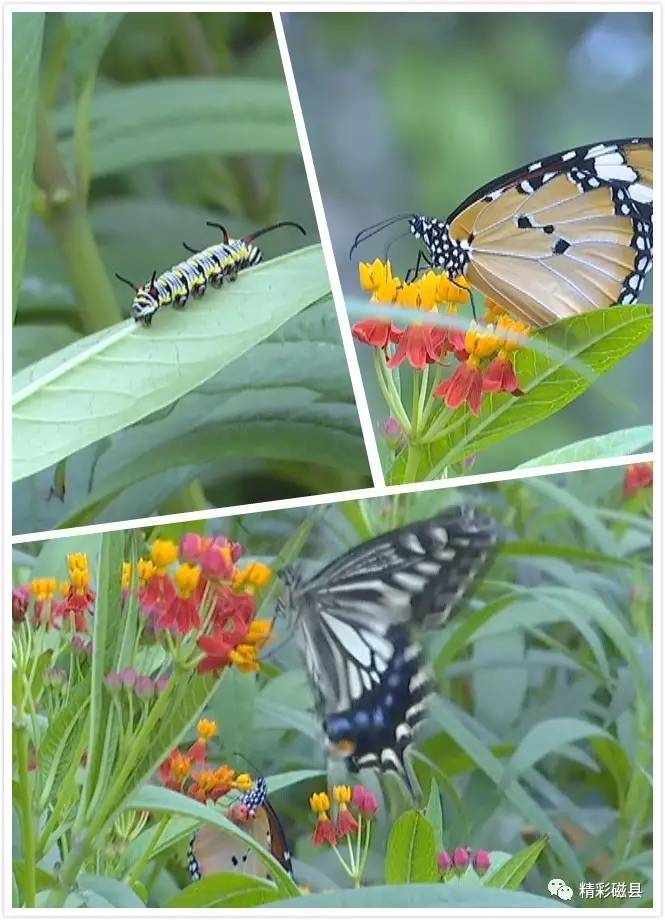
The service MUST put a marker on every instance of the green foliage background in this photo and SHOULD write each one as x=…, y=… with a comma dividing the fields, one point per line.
x=413, y=111
x=139, y=128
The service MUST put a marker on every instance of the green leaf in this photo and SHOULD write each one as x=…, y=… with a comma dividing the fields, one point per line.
x=513, y=872
x=411, y=850
x=61, y=742
x=27, y=34
x=88, y=34
x=176, y=118
x=116, y=893
x=452, y=894
x=89, y=390
x=615, y=444
x=160, y=800
x=572, y=353
x=546, y=738
x=434, y=814
x=226, y=889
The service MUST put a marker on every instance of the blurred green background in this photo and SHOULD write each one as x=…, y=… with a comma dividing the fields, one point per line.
x=415, y=111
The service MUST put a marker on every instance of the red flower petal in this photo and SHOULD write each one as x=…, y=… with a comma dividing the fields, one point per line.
x=376, y=332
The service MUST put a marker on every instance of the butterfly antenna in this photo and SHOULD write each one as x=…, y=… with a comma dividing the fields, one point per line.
x=283, y=223
x=392, y=242
x=190, y=248
x=225, y=232
x=126, y=281
x=370, y=231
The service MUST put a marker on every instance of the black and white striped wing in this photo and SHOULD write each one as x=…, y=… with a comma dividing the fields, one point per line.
x=355, y=619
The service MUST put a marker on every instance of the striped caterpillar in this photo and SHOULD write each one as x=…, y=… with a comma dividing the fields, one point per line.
x=211, y=266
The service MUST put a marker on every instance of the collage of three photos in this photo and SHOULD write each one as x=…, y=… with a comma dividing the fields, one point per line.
x=331, y=454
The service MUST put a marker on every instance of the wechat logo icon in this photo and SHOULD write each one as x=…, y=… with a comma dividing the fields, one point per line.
x=558, y=889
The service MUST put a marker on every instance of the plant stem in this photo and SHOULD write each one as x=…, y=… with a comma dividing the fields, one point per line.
x=412, y=460
x=21, y=745
x=67, y=218
x=420, y=404
x=389, y=391
x=137, y=871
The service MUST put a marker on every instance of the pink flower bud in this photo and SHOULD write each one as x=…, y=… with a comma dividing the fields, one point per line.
x=365, y=801
x=190, y=547
x=144, y=687
x=162, y=683
x=392, y=430
x=444, y=861
x=128, y=678
x=462, y=857
x=113, y=680
x=482, y=861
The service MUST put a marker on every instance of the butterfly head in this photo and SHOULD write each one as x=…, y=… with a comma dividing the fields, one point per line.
x=291, y=578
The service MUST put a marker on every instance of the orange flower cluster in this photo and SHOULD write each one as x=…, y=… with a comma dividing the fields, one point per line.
x=485, y=352
x=188, y=772
x=199, y=587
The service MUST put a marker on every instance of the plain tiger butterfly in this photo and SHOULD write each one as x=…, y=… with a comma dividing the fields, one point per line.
x=212, y=850
x=563, y=235
x=191, y=277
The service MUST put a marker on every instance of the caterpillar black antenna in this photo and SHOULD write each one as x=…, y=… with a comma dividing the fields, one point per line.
x=282, y=223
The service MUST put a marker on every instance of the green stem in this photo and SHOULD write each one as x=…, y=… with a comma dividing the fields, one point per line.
x=68, y=220
x=414, y=454
x=390, y=394
x=137, y=871
x=420, y=404
x=21, y=744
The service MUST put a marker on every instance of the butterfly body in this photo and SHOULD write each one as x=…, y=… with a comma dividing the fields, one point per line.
x=212, y=850
x=355, y=622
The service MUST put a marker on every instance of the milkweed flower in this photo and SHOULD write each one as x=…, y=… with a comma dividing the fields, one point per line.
x=444, y=861
x=346, y=823
x=638, y=476
x=462, y=857
x=365, y=801
x=325, y=829
x=482, y=861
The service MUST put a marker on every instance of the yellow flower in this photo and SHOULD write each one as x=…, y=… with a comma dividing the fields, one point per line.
x=408, y=296
x=342, y=794
x=481, y=342
x=147, y=570
x=77, y=561
x=387, y=291
x=206, y=729
x=494, y=310
x=255, y=574
x=126, y=575
x=244, y=658
x=187, y=578
x=243, y=781
x=80, y=579
x=516, y=330
x=43, y=588
x=163, y=553
x=258, y=632
x=452, y=292
x=181, y=766
x=64, y=587
x=319, y=802
x=373, y=275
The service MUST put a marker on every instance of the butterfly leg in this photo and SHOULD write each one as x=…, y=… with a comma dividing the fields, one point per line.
x=413, y=273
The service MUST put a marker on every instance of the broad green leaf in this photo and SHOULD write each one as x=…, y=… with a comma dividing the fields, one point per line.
x=226, y=889
x=89, y=390
x=513, y=872
x=452, y=894
x=411, y=850
x=571, y=355
x=27, y=34
x=615, y=444
x=546, y=738
x=115, y=892
x=172, y=118
x=160, y=800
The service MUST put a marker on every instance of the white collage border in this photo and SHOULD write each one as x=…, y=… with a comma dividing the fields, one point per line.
x=379, y=489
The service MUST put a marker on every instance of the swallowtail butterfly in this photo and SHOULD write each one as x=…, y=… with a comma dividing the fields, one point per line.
x=570, y=233
x=212, y=850
x=354, y=623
